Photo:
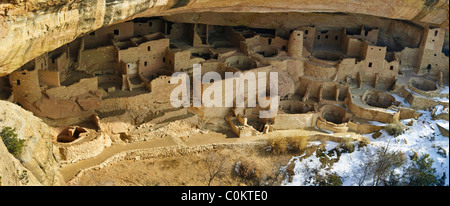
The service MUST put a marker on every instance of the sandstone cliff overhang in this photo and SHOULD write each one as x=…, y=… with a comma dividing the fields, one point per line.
x=31, y=28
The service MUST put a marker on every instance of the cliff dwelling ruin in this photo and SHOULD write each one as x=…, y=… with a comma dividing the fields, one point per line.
x=338, y=78
x=337, y=73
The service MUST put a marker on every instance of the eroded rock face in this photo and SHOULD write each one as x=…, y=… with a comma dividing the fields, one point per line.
x=12, y=173
x=38, y=155
x=33, y=27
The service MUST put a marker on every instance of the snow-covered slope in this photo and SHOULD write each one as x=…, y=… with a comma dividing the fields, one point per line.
x=422, y=137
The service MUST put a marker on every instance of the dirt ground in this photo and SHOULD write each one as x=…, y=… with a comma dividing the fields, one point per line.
x=191, y=169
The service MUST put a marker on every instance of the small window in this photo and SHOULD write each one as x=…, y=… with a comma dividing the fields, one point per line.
x=283, y=48
x=18, y=82
x=432, y=40
x=379, y=49
x=391, y=68
x=434, y=54
x=269, y=41
x=318, y=37
x=370, y=64
x=148, y=48
x=336, y=38
x=92, y=33
x=24, y=73
x=164, y=59
x=150, y=24
x=145, y=64
x=306, y=31
x=435, y=33
x=116, y=32
x=326, y=36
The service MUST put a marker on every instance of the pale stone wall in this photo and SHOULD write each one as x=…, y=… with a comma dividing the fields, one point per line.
x=295, y=121
x=76, y=151
x=49, y=78
x=81, y=87
x=25, y=85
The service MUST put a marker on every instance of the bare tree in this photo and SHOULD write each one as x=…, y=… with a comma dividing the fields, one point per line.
x=215, y=165
x=381, y=165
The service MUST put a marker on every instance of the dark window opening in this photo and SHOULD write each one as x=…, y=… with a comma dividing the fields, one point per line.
x=336, y=38
x=306, y=31
x=318, y=37
x=326, y=36
x=168, y=27
x=283, y=48
x=150, y=24
x=18, y=82
x=269, y=41
x=145, y=64
x=164, y=59
x=429, y=68
x=391, y=68
x=116, y=32
x=24, y=73
x=435, y=33
x=92, y=33
x=148, y=48
x=434, y=54
x=370, y=64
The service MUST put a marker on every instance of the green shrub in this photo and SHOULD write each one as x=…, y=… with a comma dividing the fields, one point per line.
x=376, y=135
x=329, y=180
x=347, y=145
x=395, y=129
x=421, y=173
x=363, y=142
x=410, y=123
x=12, y=143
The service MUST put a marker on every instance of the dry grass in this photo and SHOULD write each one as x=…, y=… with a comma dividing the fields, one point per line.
x=249, y=170
x=190, y=170
x=278, y=145
x=363, y=142
x=290, y=170
x=283, y=145
x=298, y=143
x=395, y=129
